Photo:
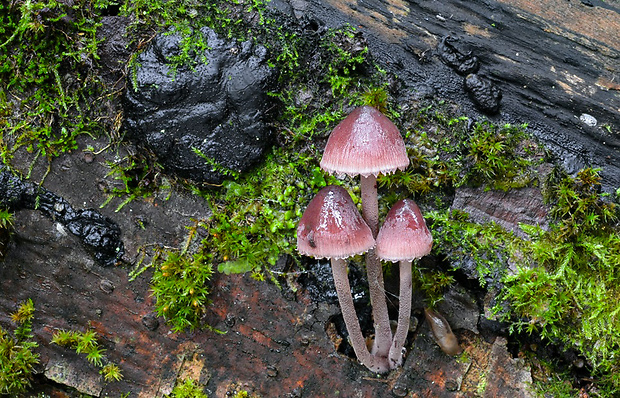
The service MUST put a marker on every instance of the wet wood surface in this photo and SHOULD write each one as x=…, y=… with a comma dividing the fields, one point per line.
x=554, y=61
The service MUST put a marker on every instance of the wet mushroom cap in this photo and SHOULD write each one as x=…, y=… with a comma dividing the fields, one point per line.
x=332, y=227
x=367, y=143
x=404, y=235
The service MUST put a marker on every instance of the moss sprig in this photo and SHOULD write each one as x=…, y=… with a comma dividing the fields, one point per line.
x=565, y=287
x=44, y=42
x=87, y=343
x=449, y=151
x=17, y=358
x=187, y=388
x=180, y=283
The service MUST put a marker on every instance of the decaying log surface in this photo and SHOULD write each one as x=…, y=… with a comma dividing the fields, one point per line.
x=276, y=342
x=272, y=345
x=553, y=60
x=553, y=63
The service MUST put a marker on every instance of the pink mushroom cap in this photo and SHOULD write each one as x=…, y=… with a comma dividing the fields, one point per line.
x=366, y=142
x=404, y=235
x=332, y=227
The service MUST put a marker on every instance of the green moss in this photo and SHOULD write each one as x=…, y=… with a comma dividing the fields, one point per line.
x=255, y=218
x=447, y=151
x=87, y=343
x=6, y=219
x=6, y=224
x=140, y=175
x=462, y=242
x=188, y=388
x=431, y=282
x=42, y=43
x=564, y=284
x=180, y=284
x=334, y=73
x=565, y=288
x=16, y=357
x=228, y=19
x=245, y=394
x=557, y=387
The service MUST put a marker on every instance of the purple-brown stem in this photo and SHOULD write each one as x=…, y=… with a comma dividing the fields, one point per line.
x=404, y=315
x=370, y=203
x=343, y=288
x=374, y=270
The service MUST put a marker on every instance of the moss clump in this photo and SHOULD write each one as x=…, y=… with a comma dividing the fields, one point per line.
x=87, y=343
x=565, y=287
x=6, y=222
x=180, y=284
x=449, y=151
x=16, y=357
x=231, y=19
x=48, y=53
x=461, y=242
x=188, y=388
x=562, y=285
x=255, y=217
x=6, y=219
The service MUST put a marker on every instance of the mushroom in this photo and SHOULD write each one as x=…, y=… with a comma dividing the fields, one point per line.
x=367, y=143
x=332, y=227
x=403, y=238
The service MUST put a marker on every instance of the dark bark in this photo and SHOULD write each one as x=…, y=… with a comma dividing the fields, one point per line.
x=553, y=61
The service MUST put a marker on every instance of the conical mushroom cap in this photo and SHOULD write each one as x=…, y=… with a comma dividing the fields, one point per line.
x=366, y=142
x=404, y=235
x=332, y=227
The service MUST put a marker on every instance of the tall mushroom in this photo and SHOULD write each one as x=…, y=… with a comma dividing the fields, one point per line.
x=367, y=143
x=403, y=238
x=331, y=227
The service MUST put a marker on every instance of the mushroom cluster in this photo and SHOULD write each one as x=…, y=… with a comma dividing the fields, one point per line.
x=331, y=227
x=368, y=144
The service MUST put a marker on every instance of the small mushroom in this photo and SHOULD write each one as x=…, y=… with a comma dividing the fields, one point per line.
x=403, y=238
x=367, y=143
x=331, y=227
x=442, y=332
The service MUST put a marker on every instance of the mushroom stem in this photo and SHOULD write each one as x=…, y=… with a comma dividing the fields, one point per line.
x=374, y=270
x=370, y=203
x=404, y=315
x=341, y=281
x=383, y=332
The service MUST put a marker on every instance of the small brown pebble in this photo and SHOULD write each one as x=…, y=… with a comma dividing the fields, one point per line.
x=107, y=286
x=89, y=157
x=452, y=385
x=230, y=320
x=102, y=186
x=150, y=322
x=272, y=371
x=400, y=391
